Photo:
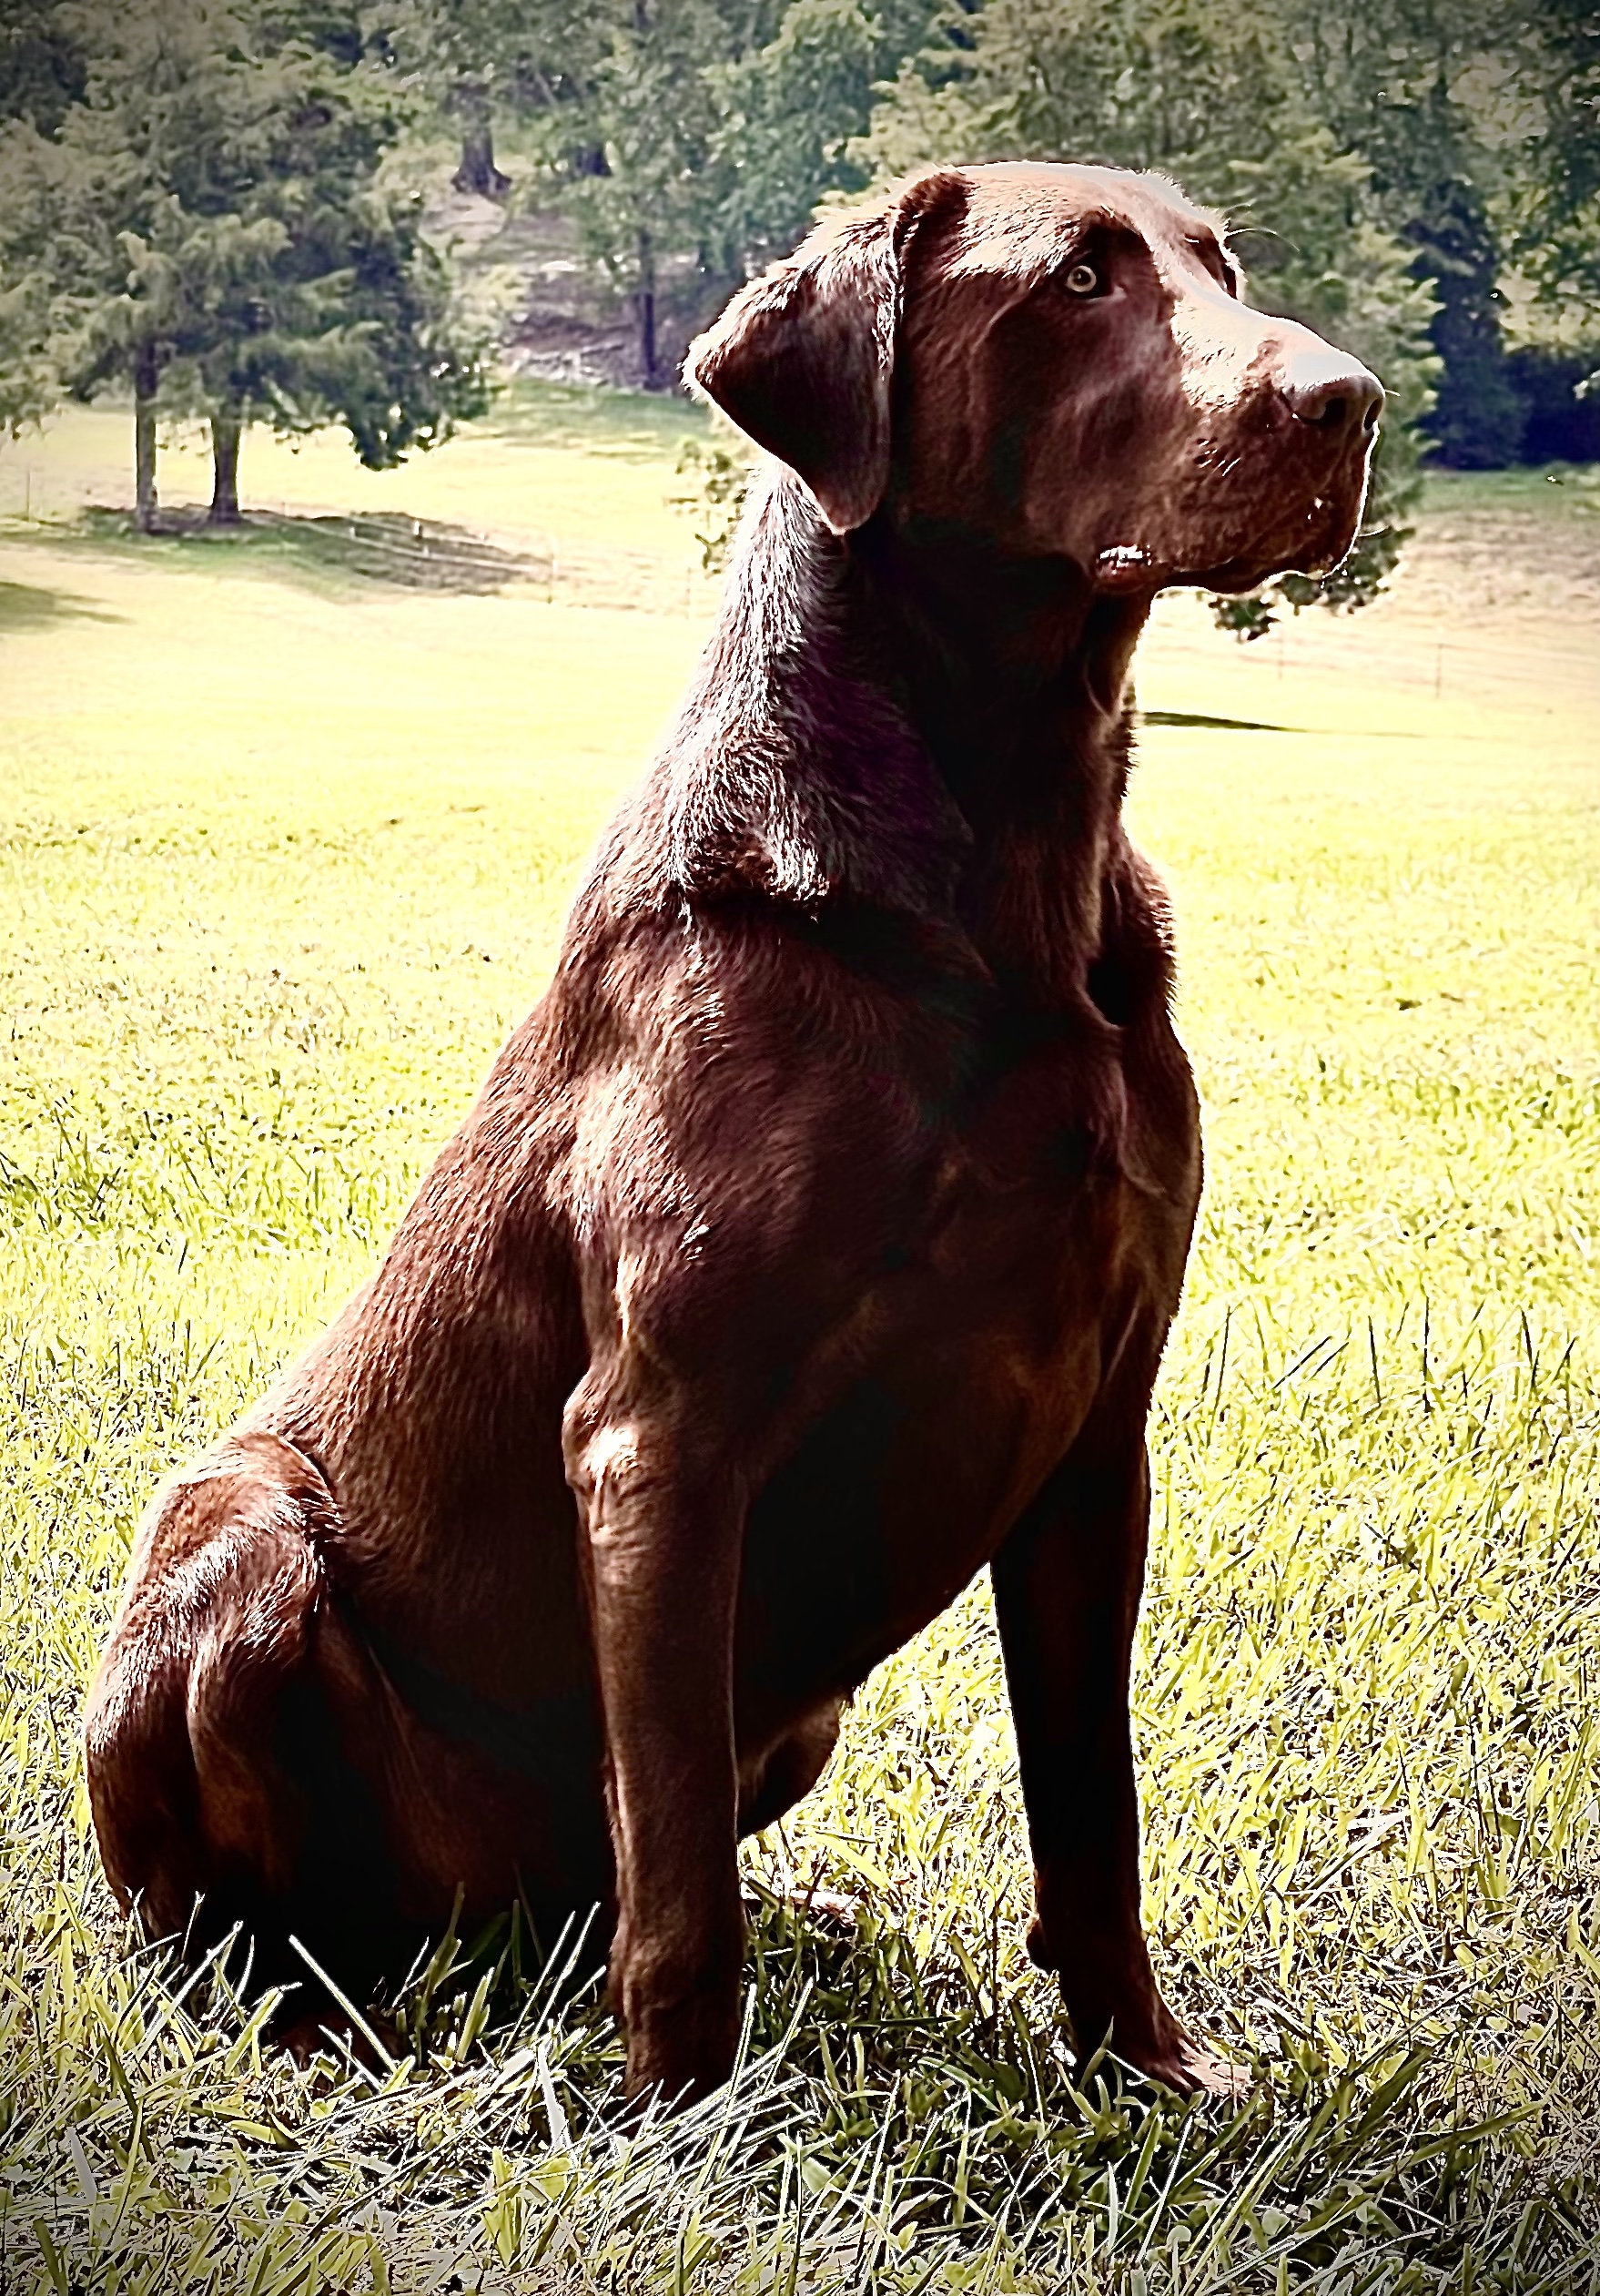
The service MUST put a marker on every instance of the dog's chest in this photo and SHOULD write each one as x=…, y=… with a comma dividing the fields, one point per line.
x=1057, y=1221
x=1066, y=1149
x=1050, y=1243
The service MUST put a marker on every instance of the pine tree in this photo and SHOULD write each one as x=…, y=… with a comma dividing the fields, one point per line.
x=214, y=230
x=26, y=380
x=716, y=127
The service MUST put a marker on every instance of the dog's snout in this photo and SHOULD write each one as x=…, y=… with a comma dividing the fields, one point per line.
x=1331, y=390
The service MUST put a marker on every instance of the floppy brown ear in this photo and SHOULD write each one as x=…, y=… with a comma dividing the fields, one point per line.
x=801, y=359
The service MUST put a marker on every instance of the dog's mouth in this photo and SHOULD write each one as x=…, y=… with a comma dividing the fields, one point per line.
x=1262, y=522
x=1309, y=533
x=1315, y=543
x=1126, y=565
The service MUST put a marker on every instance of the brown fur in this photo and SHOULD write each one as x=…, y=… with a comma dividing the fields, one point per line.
x=815, y=1242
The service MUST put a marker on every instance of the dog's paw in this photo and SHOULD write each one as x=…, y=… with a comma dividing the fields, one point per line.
x=1145, y=2036
x=1186, y=2066
x=828, y=1908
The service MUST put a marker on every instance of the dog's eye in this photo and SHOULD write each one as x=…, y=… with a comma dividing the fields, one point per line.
x=1082, y=279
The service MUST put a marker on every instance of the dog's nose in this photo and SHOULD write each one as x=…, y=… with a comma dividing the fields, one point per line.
x=1331, y=389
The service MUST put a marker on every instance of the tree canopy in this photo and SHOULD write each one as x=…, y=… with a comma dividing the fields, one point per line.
x=208, y=223
x=1554, y=203
x=195, y=197
x=485, y=60
x=41, y=63
x=27, y=377
x=712, y=129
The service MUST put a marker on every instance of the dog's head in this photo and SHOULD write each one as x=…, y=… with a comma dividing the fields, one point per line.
x=1057, y=362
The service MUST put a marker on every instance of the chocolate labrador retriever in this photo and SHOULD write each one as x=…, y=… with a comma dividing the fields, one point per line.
x=815, y=1241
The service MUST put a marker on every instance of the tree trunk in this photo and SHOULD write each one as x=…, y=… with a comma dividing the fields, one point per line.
x=646, y=302
x=478, y=171
x=226, y=432
x=147, y=375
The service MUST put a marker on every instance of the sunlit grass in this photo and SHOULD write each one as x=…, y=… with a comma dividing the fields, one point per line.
x=280, y=870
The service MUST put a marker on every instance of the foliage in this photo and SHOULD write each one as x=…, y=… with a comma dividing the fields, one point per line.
x=26, y=379
x=1560, y=401
x=1480, y=122
x=1476, y=422
x=715, y=129
x=484, y=59
x=1432, y=99
x=214, y=207
x=1554, y=208
x=249, y=993
x=721, y=481
x=654, y=210
x=41, y=63
x=787, y=112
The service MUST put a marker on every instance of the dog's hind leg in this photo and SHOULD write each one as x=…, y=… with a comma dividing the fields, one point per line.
x=787, y=1771
x=184, y=1719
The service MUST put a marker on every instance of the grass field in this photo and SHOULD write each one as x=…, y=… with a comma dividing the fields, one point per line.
x=291, y=823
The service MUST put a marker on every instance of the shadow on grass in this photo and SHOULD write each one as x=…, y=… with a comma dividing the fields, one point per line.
x=1193, y=720
x=1214, y=725
x=348, y=552
x=35, y=605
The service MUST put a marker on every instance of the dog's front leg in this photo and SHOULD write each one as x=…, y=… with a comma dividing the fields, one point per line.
x=664, y=1527
x=1068, y=1584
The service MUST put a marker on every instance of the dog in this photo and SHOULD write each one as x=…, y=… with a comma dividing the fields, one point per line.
x=815, y=1242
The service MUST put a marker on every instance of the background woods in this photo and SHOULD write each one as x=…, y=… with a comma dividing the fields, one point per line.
x=206, y=226
x=228, y=209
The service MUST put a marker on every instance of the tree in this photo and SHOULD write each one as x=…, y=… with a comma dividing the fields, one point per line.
x=215, y=232
x=481, y=59
x=1435, y=93
x=788, y=112
x=41, y=64
x=1216, y=97
x=1555, y=206
x=718, y=126
x=794, y=110
x=1476, y=421
x=41, y=72
x=659, y=201
x=26, y=382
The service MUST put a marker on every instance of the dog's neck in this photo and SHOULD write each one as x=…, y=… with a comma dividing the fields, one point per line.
x=896, y=649
x=1016, y=675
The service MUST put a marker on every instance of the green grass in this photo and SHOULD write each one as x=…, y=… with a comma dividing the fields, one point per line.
x=287, y=850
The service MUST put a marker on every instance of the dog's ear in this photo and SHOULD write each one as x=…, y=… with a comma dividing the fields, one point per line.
x=802, y=358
